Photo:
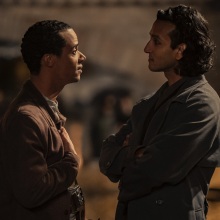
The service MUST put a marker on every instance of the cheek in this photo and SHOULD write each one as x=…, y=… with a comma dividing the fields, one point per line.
x=69, y=65
x=166, y=56
x=168, y=62
x=73, y=63
x=163, y=60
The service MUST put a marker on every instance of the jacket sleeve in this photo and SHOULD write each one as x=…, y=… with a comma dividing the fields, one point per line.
x=113, y=153
x=24, y=158
x=190, y=131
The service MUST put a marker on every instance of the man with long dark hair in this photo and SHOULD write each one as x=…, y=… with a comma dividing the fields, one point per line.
x=165, y=156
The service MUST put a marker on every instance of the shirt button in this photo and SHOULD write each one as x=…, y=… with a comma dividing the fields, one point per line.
x=159, y=202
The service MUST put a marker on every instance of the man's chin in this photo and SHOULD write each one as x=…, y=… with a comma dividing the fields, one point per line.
x=76, y=79
x=154, y=69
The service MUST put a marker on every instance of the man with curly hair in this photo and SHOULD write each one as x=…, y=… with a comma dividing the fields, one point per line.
x=38, y=161
x=166, y=153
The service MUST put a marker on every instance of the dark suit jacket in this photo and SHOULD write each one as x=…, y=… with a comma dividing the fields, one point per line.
x=35, y=171
x=181, y=150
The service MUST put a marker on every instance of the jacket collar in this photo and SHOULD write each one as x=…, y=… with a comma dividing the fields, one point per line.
x=190, y=83
x=41, y=102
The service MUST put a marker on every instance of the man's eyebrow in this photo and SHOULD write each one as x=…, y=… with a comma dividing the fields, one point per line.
x=75, y=46
x=154, y=36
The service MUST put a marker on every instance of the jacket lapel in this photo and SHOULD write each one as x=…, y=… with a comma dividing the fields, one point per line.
x=159, y=117
x=142, y=115
x=157, y=122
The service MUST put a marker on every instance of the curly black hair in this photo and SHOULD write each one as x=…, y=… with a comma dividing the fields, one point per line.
x=41, y=38
x=192, y=29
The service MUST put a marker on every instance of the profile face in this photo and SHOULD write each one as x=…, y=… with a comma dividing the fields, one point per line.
x=161, y=56
x=68, y=66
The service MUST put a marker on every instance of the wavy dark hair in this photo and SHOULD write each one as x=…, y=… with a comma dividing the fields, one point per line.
x=42, y=38
x=191, y=29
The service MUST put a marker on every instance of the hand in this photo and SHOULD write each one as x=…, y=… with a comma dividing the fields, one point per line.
x=67, y=143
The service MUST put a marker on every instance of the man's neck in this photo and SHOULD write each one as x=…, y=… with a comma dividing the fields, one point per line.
x=172, y=77
x=44, y=88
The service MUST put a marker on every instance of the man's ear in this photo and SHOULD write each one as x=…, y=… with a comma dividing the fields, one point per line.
x=180, y=49
x=48, y=60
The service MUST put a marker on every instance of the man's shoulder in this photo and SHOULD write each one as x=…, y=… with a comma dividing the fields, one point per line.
x=22, y=110
x=201, y=91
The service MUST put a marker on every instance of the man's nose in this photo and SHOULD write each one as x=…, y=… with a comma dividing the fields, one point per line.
x=147, y=48
x=82, y=57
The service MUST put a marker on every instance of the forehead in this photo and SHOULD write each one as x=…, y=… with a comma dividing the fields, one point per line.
x=162, y=28
x=70, y=37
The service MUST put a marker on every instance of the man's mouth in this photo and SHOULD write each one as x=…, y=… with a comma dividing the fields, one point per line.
x=80, y=68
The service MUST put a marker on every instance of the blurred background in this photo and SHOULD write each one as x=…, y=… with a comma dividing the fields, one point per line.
x=112, y=34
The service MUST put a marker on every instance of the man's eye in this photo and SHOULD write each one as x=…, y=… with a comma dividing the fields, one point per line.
x=74, y=52
x=156, y=42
